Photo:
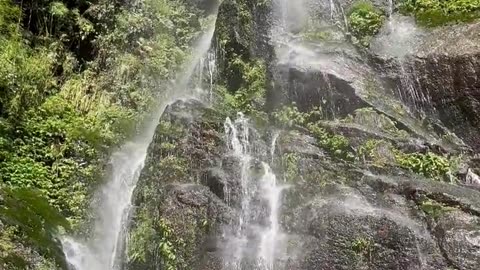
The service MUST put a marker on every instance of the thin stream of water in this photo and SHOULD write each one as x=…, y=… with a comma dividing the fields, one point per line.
x=255, y=229
x=105, y=249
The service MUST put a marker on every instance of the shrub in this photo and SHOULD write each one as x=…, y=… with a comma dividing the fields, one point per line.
x=364, y=21
x=433, y=13
x=429, y=165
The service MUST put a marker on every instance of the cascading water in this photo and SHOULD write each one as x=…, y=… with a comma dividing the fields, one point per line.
x=271, y=233
x=398, y=39
x=105, y=248
x=253, y=239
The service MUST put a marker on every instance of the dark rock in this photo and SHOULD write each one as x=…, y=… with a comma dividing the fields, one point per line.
x=458, y=234
x=299, y=143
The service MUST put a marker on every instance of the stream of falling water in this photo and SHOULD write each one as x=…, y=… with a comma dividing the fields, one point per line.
x=252, y=241
x=104, y=250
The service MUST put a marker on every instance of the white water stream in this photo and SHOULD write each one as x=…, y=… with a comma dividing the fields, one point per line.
x=254, y=239
x=104, y=250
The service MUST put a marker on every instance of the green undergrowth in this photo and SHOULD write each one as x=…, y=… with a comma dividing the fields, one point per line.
x=435, y=209
x=370, y=119
x=289, y=116
x=153, y=240
x=249, y=94
x=430, y=165
x=364, y=21
x=433, y=13
x=75, y=79
x=373, y=151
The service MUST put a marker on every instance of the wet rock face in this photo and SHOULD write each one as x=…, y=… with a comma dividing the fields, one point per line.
x=459, y=239
x=447, y=67
x=334, y=215
x=309, y=88
x=349, y=236
x=378, y=222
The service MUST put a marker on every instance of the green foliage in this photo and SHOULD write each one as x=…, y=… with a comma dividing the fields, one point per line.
x=337, y=145
x=75, y=78
x=9, y=16
x=37, y=224
x=434, y=209
x=251, y=94
x=26, y=77
x=290, y=116
x=362, y=246
x=433, y=13
x=429, y=165
x=153, y=238
x=364, y=21
x=290, y=165
x=379, y=152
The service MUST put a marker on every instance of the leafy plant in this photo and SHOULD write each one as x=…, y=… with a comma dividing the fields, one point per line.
x=379, y=152
x=251, y=94
x=429, y=165
x=289, y=116
x=337, y=145
x=290, y=165
x=364, y=21
x=433, y=13
x=434, y=209
x=362, y=246
x=36, y=221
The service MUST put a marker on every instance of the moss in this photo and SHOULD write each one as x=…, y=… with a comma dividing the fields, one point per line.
x=336, y=145
x=314, y=31
x=433, y=13
x=248, y=95
x=364, y=21
x=379, y=152
x=369, y=118
x=434, y=209
x=290, y=166
x=362, y=247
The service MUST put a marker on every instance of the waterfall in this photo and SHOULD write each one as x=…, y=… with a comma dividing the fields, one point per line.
x=104, y=250
x=252, y=239
x=270, y=235
x=390, y=8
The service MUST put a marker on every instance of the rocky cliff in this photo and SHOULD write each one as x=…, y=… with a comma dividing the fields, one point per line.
x=373, y=135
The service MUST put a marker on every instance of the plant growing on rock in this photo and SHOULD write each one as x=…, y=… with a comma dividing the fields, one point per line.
x=337, y=145
x=290, y=116
x=429, y=165
x=379, y=152
x=364, y=21
x=433, y=13
x=290, y=165
x=435, y=209
x=250, y=95
x=362, y=246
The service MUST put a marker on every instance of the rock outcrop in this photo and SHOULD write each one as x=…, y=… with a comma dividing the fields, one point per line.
x=403, y=194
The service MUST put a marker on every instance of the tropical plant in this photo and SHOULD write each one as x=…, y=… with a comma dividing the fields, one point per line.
x=364, y=21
